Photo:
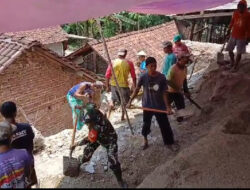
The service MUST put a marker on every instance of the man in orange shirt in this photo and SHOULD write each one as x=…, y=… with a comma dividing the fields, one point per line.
x=239, y=27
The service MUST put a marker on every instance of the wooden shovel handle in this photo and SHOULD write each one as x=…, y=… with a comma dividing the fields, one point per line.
x=74, y=130
x=149, y=109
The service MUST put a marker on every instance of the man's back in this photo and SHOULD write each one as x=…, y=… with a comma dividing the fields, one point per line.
x=23, y=137
x=240, y=24
x=15, y=165
x=122, y=70
x=170, y=59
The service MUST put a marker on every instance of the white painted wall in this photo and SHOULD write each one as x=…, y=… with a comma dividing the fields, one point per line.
x=56, y=47
x=78, y=60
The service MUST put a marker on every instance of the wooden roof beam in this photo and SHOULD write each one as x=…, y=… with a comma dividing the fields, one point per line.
x=207, y=15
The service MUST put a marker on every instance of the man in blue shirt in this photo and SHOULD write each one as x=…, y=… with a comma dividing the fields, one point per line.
x=142, y=58
x=170, y=57
x=154, y=96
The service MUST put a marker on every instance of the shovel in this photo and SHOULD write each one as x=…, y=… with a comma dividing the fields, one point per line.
x=220, y=55
x=71, y=166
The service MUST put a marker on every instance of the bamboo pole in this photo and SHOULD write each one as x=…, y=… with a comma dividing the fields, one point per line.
x=113, y=73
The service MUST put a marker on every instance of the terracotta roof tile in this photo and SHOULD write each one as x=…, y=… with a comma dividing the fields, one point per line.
x=43, y=35
x=149, y=40
x=11, y=47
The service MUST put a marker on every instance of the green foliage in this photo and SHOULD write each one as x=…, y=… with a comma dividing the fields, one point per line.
x=115, y=24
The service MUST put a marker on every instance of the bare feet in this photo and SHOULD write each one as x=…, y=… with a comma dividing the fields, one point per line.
x=174, y=147
x=234, y=69
x=145, y=146
x=122, y=118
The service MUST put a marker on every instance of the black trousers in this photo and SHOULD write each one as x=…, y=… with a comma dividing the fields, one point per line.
x=178, y=100
x=162, y=119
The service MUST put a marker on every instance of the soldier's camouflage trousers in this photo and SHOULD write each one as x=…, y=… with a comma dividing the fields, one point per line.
x=112, y=150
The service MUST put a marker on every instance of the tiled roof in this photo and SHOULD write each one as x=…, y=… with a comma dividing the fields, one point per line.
x=150, y=40
x=11, y=47
x=48, y=35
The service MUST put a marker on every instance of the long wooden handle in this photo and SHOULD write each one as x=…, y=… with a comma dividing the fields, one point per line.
x=149, y=109
x=74, y=131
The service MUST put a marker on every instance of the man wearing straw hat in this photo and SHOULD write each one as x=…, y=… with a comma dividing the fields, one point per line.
x=142, y=61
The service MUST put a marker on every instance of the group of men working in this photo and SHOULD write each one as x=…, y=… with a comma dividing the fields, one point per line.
x=155, y=95
x=159, y=91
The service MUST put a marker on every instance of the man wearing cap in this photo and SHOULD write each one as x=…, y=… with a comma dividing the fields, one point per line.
x=177, y=79
x=101, y=132
x=15, y=164
x=142, y=60
x=122, y=68
x=239, y=26
x=170, y=57
x=179, y=46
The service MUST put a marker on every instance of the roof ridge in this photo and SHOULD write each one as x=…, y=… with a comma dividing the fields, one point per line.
x=95, y=42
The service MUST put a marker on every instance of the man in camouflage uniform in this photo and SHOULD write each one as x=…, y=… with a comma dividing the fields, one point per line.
x=101, y=132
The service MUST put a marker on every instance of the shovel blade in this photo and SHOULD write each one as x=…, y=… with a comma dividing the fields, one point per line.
x=71, y=166
x=220, y=58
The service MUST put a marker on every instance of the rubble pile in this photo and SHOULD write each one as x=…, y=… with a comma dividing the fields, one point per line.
x=220, y=158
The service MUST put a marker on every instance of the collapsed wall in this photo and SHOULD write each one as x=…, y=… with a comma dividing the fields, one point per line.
x=221, y=158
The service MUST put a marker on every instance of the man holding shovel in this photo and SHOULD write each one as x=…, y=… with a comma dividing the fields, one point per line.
x=177, y=79
x=239, y=36
x=154, y=97
x=101, y=132
x=79, y=94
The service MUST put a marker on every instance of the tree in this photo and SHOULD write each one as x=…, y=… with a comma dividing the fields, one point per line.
x=115, y=24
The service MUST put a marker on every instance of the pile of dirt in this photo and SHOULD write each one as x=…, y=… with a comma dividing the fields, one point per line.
x=220, y=158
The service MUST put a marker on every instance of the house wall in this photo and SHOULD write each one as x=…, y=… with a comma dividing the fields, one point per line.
x=88, y=63
x=56, y=47
x=38, y=85
x=78, y=60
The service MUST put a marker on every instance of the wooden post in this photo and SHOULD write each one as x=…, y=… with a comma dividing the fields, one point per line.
x=192, y=31
x=113, y=73
x=94, y=60
x=210, y=32
x=207, y=33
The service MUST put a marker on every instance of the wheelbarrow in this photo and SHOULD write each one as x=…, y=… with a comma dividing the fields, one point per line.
x=71, y=166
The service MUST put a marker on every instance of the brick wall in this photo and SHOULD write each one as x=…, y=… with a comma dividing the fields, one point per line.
x=39, y=85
